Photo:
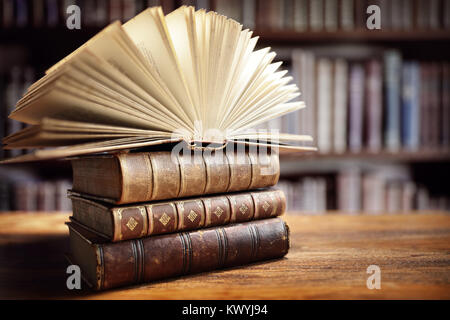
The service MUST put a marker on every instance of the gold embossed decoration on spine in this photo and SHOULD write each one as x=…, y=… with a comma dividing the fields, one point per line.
x=265, y=204
x=217, y=211
x=191, y=214
x=132, y=222
x=164, y=218
x=242, y=207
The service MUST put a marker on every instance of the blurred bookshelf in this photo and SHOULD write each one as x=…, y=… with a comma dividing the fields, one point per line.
x=290, y=37
x=378, y=102
x=382, y=156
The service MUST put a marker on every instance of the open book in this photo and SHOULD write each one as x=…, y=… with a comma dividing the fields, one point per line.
x=191, y=76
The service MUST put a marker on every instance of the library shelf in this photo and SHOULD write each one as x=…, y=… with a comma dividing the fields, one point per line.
x=292, y=37
x=289, y=37
x=429, y=155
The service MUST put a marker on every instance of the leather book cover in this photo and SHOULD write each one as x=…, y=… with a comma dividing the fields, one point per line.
x=139, y=220
x=148, y=176
x=107, y=265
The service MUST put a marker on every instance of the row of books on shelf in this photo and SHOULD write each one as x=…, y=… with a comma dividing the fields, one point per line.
x=350, y=15
x=352, y=191
x=290, y=15
x=34, y=195
x=331, y=15
x=12, y=86
x=380, y=104
x=93, y=13
x=349, y=192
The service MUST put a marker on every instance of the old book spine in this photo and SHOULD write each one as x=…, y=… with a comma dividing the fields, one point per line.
x=155, y=258
x=356, y=106
x=160, y=218
x=324, y=105
x=156, y=176
x=393, y=65
x=340, y=105
x=374, y=102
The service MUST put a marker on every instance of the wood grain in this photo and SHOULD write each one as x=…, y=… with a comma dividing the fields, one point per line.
x=328, y=260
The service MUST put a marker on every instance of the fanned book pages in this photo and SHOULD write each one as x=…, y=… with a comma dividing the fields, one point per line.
x=191, y=76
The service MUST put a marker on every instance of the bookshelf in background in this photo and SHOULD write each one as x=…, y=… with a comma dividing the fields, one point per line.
x=359, y=150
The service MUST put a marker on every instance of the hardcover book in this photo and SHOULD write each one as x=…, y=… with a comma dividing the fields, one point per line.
x=106, y=265
x=374, y=102
x=392, y=74
x=145, y=219
x=324, y=105
x=356, y=107
x=411, y=106
x=340, y=98
x=148, y=176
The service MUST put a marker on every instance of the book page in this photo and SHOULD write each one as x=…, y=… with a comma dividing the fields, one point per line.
x=180, y=26
x=76, y=108
x=149, y=33
x=257, y=89
x=254, y=64
x=156, y=80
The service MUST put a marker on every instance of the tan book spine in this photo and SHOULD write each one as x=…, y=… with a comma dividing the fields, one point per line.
x=141, y=177
x=137, y=177
x=138, y=221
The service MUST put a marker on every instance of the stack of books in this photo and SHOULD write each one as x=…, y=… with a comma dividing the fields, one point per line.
x=160, y=114
x=144, y=216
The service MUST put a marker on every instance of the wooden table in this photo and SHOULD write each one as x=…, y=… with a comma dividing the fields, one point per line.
x=328, y=260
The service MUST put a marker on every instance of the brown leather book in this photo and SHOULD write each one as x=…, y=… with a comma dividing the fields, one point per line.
x=138, y=177
x=118, y=223
x=106, y=265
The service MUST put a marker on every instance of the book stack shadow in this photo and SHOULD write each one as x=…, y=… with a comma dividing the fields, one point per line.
x=139, y=217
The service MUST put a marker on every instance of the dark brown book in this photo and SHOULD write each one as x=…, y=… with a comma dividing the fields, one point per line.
x=118, y=223
x=147, y=176
x=106, y=265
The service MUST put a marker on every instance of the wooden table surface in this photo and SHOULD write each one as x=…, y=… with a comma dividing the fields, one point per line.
x=328, y=260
